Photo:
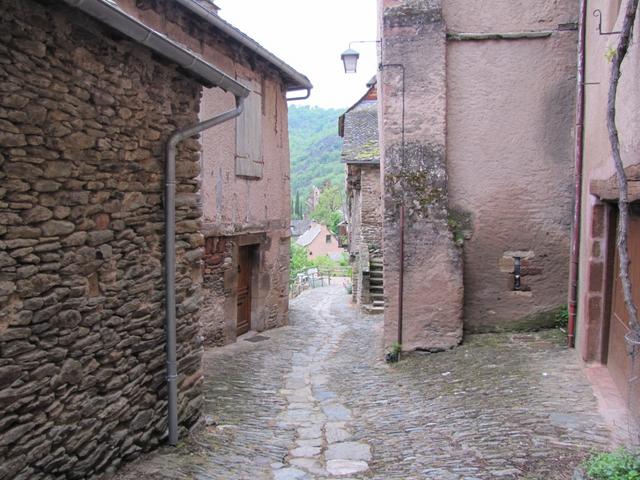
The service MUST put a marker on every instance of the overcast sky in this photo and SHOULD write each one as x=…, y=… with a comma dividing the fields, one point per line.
x=310, y=36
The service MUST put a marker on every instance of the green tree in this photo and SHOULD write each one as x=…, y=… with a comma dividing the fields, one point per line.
x=329, y=209
x=297, y=212
x=315, y=148
x=299, y=259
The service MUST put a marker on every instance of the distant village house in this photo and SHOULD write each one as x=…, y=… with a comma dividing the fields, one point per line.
x=320, y=242
x=361, y=154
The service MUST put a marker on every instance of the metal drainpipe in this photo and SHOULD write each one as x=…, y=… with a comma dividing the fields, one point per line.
x=170, y=255
x=579, y=155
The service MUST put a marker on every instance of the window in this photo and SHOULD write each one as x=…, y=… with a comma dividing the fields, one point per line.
x=328, y=239
x=249, y=138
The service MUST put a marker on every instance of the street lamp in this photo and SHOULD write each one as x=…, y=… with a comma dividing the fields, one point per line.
x=350, y=60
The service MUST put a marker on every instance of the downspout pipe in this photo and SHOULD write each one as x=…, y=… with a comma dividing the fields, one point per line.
x=170, y=255
x=207, y=74
x=574, y=265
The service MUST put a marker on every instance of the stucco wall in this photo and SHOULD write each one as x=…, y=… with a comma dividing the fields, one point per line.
x=319, y=247
x=510, y=116
x=84, y=117
x=234, y=206
x=597, y=158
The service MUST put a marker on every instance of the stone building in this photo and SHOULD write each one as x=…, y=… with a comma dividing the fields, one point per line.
x=476, y=106
x=602, y=321
x=90, y=96
x=246, y=201
x=361, y=154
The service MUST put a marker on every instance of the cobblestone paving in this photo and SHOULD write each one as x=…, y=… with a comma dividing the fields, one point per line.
x=315, y=401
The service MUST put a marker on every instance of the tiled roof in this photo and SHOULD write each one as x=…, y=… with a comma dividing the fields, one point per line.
x=361, y=133
x=307, y=237
x=298, y=227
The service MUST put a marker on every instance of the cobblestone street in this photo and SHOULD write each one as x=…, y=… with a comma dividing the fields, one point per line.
x=315, y=400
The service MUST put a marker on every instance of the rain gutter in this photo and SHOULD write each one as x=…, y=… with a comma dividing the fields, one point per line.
x=296, y=80
x=108, y=13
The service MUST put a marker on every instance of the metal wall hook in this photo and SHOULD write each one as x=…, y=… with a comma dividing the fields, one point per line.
x=598, y=14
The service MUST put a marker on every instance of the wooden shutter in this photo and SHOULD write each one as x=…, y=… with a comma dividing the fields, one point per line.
x=249, y=138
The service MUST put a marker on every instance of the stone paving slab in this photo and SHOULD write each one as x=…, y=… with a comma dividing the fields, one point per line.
x=315, y=401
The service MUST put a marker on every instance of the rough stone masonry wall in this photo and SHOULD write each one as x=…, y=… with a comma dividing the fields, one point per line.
x=371, y=214
x=413, y=34
x=269, y=285
x=219, y=299
x=84, y=116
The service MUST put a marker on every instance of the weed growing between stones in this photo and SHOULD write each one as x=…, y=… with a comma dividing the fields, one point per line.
x=620, y=464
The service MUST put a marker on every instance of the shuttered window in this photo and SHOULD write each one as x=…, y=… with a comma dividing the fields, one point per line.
x=249, y=138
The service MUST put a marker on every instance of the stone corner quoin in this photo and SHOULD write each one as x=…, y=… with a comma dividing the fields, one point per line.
x=415, y=177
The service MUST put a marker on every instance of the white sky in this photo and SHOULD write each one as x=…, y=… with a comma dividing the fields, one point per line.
x=310, y=35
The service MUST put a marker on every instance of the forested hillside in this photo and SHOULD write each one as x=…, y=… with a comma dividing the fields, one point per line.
x=315, y=148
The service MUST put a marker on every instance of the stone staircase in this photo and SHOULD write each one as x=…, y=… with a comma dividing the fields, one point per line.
x=376, y=289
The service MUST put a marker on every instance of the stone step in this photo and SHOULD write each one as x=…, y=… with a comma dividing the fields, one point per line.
x=375, y=282
x=371, y=310
x=376, y=288
x=375, y=273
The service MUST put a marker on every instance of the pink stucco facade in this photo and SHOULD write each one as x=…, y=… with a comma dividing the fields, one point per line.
x=510, y=116
x=323, y=244
x=486, y=168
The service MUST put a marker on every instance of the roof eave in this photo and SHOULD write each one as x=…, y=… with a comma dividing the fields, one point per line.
x=294, y=80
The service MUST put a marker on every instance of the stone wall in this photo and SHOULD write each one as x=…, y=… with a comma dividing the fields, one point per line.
x=510, y=125
x=413, y=35
x=84, y=116
x=269, y=288
x=365, y=224
x=218, y=299
x=371, y=214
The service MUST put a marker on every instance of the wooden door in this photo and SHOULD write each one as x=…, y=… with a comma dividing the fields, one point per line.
x=245, y=258
x=618, y=361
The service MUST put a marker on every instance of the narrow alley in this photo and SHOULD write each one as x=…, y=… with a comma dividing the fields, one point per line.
x=315, y=400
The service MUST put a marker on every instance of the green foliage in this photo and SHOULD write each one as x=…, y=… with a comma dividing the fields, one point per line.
x=344, y=261
x=562, y=317
x=299, y=258
x=329, y=209
x=396, y=348
x=297, y=207
x=315, y=148
x=300, y=261
x=620, y=464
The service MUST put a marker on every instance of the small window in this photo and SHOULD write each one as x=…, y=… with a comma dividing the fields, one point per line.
x=328, y=239
x=249, y=138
